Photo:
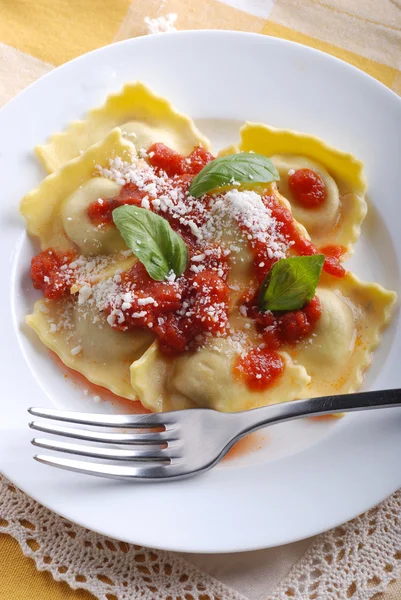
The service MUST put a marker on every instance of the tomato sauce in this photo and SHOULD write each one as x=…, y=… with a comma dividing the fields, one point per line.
x=100, y=212
x=47, y=274
x=203, y=296
x=171, y=162
x=307, y=188
x=334, y=254
x=289, y=327
x=259, y=368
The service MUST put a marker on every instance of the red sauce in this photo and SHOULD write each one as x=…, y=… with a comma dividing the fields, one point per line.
x=47, y=275
x=334, y=255
x=334, y=251
x=290, y=327
x=259, y=368
x=333, y=267
x=165, y=159
x=171, y=162
x=206, y=294
x=100, y=211
x=308, y=188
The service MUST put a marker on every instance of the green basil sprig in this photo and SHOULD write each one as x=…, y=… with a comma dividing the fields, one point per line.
x=291, y=283
x=150, y=237
x=245, y=167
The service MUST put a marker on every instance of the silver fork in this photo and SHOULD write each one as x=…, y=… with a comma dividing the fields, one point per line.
x=185, y=443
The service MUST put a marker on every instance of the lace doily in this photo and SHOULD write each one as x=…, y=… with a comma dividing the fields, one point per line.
x=109, y=569
x=357, y=560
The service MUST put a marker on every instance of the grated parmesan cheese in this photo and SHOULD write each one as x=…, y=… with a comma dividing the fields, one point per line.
x=84, y=293
x=145, y=301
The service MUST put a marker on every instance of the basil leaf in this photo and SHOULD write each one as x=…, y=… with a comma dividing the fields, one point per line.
x=245, y=167
x=291, y=283
x=150, y=237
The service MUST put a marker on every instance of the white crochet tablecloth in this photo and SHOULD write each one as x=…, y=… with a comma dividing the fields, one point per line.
x=357, y=560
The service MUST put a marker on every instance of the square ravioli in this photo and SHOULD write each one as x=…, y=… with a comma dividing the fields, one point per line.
x=144, y=118
x=324, y=186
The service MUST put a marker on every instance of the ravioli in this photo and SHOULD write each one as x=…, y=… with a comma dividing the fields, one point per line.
x=338, y=220
x=205, y=379
x=61, y=198
x=354, y=314
x=101, y=354
x=144, y=117
x=56, y=214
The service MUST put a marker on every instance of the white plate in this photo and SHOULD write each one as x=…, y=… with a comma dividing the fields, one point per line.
x=308, y=476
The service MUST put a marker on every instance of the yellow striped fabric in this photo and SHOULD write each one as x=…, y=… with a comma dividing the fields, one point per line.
x=37, y=36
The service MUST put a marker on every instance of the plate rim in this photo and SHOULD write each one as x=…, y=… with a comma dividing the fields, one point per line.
x=220, y=32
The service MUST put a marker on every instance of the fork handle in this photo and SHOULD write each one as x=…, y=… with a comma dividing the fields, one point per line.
x=325, y=405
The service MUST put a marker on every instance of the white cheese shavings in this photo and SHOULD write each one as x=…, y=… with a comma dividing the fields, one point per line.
x=145, y=203
x=243, y=311
x=171, y=277
x=139, y=315
x=199, y=257
x=145, y=301
x=76, y=350
x=247, y=210
x=84, y=294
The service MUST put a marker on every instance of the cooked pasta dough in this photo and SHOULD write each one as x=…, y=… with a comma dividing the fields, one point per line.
x=320, y=220
x=96, y=351
x=205, y=379
x=353, y=316
x=89, y=238
x=338, y=221
x=47, y=208
x=145, y=117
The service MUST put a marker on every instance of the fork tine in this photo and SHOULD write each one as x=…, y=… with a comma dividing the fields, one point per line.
x=142, y=473
x=109, y=438
x=150, y=454
x=102, y=420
